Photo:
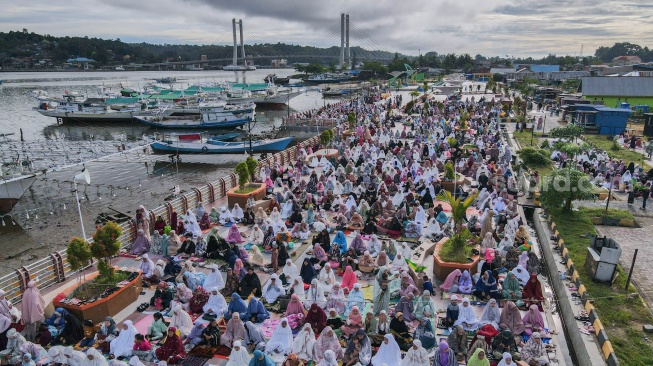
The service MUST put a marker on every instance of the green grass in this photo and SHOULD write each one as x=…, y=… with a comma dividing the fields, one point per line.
x=524, y=140
x=610, y=214
x=621, y=317
x=602, y=142
x=96, y=286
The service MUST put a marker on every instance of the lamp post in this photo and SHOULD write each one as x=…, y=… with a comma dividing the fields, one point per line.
x=81, y=177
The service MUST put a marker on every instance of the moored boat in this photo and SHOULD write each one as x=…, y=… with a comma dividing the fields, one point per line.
x=220, y=147
x=214, y=115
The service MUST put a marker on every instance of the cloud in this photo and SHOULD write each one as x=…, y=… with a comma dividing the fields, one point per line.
x=489, y=27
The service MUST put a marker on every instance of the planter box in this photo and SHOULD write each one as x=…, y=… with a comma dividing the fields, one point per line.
x=108, y=306
x=449, y=186
x=241, y=198
x=441, y=269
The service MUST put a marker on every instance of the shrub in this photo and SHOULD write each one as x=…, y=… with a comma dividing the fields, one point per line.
x=106, y=245
x=534, y=157
x=79, y=253
x=243, y=174
x=449, y=172
x=545, y=144
x=252, y=165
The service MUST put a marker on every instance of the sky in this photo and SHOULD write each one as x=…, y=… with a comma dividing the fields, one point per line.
x=514, y=28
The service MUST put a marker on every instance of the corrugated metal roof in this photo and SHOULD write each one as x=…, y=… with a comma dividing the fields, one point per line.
x=618, y=86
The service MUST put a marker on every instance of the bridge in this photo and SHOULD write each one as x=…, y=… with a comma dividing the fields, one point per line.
x=350, y=37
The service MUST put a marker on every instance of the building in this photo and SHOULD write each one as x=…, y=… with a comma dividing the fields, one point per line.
x=502, y=70
x=626, y=60
x=279, y=63
x=613, y=91
x=601, y=119
x=81, y=62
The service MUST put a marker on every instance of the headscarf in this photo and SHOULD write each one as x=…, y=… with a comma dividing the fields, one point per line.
x=341, y=241
x=238, y=357
x=504, y=357
x=304, y=342
x=349, y=278
x=389, y=353
x=443, y=350
x=294, y=306
x=511, y=318
x=237, y=304
x=325, y=343
x=98, y=358
x=307, y=271
x=32, y=305
x=534, y=347
x=449, y=281
x=465, y=279
x=257, y=361
x=491, y=314
x=124, y=343
x=475, y=361
x=214, y=278
x=511, y=283
x=534, y=317
x=329, y=359
x=355, y=298
x=281, y=338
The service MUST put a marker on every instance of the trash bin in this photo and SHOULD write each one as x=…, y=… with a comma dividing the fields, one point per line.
x=602, y=258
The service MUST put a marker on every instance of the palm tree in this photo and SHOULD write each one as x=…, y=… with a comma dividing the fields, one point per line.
x=414, y=94
x=456, y=246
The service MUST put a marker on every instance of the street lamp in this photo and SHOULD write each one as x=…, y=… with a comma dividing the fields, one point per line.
x=81, y=177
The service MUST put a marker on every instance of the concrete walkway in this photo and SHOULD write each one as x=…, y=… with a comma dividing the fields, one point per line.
x=631, y=239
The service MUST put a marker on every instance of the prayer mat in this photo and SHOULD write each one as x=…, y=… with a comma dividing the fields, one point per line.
x=142, y=325
x=222, y=352
x=194, y=361
x=268, y=327
x=368, y=293
x=203, y=351
x=407, y=240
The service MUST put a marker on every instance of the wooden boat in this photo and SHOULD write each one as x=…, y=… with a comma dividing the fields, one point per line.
x=221, y=147
x=219, y=115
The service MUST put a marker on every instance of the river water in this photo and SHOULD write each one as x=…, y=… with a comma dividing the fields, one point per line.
x=46, y=217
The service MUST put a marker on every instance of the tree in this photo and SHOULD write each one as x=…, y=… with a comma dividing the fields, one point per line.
x=325, y=137
x=79, y=253
x=105, y=245
x=375, y=67
x=568, y=132
x=242, y=170
x=252, y=165
x=457, y=244
x=351, y=118
x=563, y=186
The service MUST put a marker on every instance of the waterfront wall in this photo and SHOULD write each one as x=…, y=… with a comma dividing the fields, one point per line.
x=55, y=268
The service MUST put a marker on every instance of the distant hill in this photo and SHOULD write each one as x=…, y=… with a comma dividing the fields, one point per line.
x=31, y=47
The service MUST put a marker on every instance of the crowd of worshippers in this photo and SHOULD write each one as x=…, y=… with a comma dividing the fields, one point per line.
x=380, y=185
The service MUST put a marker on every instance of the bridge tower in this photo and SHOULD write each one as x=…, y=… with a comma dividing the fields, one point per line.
x=342, y=39
x=235, y=61
x=348, y=54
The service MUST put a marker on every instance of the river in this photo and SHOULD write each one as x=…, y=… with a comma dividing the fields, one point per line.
x=46, y=217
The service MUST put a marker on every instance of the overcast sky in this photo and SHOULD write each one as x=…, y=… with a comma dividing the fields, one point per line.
x=489, y=27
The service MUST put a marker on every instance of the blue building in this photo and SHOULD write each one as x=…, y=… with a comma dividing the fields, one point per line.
x=601, y=119
x=545, y=68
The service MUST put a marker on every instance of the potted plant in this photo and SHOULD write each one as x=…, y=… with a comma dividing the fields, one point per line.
x=449, y=178
x=241, y=193
x=454, y=252
x=108, y=291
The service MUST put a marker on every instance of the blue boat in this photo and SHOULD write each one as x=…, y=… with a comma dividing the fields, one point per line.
x=221, y=147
